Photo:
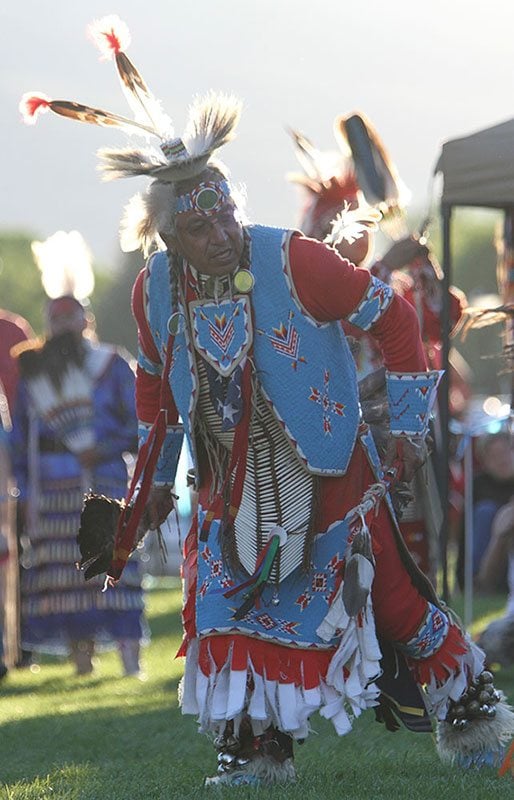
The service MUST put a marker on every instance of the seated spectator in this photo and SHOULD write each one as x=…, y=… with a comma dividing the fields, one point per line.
x=498, y=638
x=492, y=488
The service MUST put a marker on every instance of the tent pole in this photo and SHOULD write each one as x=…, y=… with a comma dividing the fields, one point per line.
x=444, y=398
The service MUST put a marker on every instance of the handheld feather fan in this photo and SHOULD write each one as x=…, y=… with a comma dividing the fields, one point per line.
x=376, y=174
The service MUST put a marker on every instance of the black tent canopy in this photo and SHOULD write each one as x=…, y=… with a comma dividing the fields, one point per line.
x=477, y=170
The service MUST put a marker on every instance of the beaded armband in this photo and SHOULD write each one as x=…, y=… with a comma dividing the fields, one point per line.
x=429, y=637
x=148, y=366
x=411, y=398
x=374, y=303
x=167, y=462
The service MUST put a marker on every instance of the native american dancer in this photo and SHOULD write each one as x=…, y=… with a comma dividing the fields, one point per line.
x=347, y=194
x=74, y=419
x=298, y=591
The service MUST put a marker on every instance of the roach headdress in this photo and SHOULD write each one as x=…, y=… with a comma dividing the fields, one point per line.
x=211, y=123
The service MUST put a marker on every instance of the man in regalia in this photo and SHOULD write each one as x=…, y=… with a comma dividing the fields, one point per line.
x=299, y=595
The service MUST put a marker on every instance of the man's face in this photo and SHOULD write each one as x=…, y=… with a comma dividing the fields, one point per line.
x=212, y=244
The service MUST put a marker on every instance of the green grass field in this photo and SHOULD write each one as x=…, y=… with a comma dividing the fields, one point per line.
x=109, y=738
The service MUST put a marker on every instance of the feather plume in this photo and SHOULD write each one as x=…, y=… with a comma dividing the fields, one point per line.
x=350, y=224
x=320, y=167
x=33, y=103
x=110, y=34
x=146, y=215
x=211, y=124
x=308, y=155
x=64, y=260
x=128, y=162
x=358, y=574
x=112, y=37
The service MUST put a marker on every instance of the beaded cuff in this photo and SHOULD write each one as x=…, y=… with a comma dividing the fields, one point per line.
x=411, y=398
x=167, y=462
x=374, y=303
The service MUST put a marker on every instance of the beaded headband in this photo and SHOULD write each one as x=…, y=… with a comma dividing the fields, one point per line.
x=207, y=198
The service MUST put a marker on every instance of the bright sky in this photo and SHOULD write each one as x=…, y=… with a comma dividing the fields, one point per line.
x=422, y=72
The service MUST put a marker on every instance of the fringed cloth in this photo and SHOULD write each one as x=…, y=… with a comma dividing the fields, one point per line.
x=228, y=677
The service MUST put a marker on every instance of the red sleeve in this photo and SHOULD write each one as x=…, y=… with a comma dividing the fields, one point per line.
x=330, y=288
x=148, y=386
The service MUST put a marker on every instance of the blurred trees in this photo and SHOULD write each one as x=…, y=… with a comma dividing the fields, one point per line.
x=474, y=271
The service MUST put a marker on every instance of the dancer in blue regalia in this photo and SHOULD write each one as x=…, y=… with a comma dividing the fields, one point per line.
x=299, y=594
x=74, y=419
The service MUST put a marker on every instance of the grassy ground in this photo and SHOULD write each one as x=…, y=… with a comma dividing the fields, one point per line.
x=111, y=738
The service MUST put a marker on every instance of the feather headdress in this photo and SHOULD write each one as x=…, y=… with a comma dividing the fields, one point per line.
x=64, y=260
x=212, y=121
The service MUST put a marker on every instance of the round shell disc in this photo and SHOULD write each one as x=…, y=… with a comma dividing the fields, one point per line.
x=244, y=281
x=176, y=323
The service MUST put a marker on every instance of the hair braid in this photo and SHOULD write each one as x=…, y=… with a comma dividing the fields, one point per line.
x=175, y=263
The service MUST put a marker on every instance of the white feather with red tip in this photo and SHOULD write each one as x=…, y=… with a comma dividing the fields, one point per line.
x=110, y=34
x=112, y=37
x=32, y=104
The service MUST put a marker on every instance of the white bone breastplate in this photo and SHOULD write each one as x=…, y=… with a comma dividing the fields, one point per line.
x=277, y=490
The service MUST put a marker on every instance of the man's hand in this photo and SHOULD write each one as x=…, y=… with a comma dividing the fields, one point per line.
x=158, y=507
x=409, y=453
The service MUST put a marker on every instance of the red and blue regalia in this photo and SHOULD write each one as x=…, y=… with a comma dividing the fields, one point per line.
x=300, y=595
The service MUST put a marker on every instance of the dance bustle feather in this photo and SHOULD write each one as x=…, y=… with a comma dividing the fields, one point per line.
x=376, y=173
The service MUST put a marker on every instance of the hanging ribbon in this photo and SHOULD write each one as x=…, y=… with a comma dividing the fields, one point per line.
x=257, y=581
